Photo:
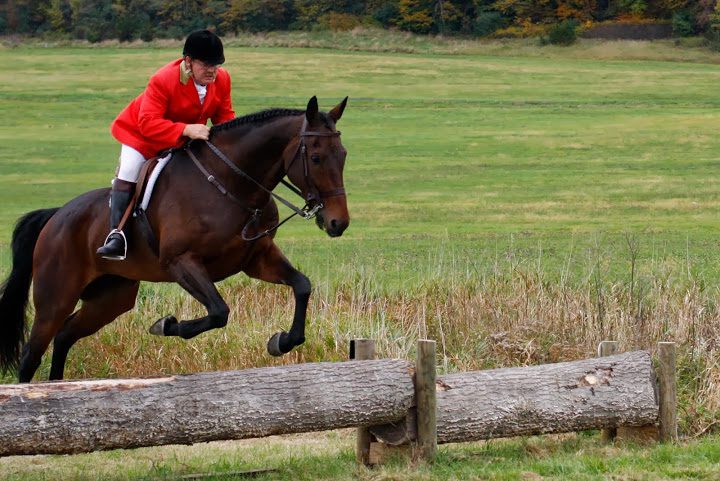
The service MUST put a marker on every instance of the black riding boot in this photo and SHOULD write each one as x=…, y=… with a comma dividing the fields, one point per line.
x=120, y=196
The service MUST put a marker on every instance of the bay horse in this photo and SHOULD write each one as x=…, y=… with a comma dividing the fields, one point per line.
x=212, y=216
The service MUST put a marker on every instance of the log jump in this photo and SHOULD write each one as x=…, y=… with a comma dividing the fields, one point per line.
x=82, y=416
x=388, y=399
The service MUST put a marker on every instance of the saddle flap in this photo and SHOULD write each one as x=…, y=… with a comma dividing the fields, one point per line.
x=148, y=176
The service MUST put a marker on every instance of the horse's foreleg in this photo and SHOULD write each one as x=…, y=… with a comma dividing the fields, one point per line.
x=282, y=342
x=192, y=276
x=272, y=266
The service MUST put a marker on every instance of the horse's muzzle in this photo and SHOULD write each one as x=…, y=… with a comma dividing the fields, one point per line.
x=335, y=227
x=332, y=225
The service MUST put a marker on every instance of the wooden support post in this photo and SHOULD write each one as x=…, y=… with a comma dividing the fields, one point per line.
x=608, y=348
x=363, y=350
x=668, y=391
x=426, y=399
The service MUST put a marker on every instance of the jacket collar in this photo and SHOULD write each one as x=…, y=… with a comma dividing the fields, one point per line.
x=184, y=73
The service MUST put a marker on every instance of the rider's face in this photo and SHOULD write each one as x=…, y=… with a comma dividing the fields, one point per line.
x=202, y=72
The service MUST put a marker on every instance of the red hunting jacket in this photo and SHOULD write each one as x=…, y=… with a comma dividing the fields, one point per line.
x=155, y=120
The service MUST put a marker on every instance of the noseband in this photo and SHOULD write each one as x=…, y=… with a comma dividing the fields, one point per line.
x=314, y=195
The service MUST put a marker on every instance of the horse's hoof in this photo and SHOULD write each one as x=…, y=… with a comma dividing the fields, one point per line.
x=160, y=327
x=273, y=345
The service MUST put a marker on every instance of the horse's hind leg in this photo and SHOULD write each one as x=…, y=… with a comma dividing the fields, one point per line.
x=103, y=301
x=54, y=300
x=272, y=266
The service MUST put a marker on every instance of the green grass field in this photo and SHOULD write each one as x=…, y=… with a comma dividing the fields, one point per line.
x=517, y=203
x=331, y=457
x=483, y=154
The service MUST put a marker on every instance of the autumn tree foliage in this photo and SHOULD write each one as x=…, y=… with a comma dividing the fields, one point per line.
x=96, y=20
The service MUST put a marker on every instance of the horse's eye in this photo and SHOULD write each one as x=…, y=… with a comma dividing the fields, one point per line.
x=315, y=158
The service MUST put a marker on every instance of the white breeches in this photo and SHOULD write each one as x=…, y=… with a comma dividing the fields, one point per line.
x=131, y=162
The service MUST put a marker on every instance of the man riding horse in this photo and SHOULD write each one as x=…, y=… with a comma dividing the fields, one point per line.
x=216, y=216
x=175, y=106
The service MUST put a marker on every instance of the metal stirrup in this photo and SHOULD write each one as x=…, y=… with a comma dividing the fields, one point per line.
x=122, y=234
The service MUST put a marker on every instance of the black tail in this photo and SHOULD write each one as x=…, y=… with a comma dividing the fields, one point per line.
x=14, y=292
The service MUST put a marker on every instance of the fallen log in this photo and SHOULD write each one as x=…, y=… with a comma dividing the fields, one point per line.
x=552, y=398
x=83, y=416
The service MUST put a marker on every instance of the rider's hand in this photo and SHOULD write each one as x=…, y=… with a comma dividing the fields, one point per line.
x=197, y=131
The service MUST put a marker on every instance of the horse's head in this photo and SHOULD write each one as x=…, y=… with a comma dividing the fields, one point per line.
x=317, y=169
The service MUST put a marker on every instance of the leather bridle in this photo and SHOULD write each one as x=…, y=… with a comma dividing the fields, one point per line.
x=313, y=200
x=314, y=194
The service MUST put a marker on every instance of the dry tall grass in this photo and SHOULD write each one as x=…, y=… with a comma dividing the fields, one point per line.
x=503, y=318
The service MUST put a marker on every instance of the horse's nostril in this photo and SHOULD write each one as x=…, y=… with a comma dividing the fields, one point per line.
x=335, y=227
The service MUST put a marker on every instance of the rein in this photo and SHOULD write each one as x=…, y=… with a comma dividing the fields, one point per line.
x=306, y=212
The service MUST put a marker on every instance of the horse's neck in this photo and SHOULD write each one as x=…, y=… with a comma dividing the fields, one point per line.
x=259, y=153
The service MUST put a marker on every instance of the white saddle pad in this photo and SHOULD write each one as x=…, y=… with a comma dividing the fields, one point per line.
x=151, y=181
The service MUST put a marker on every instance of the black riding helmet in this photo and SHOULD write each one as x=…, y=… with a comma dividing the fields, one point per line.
x=205, y=46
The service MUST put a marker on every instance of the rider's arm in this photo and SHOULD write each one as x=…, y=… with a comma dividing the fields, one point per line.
x=152, y=120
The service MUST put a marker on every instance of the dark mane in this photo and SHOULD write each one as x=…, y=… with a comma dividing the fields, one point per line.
x=258, y=118
x=263, y=117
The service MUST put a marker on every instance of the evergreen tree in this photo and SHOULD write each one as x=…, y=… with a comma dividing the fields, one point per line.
x=258, y=15
x=135, y=19
x=179, y=17
x=94, y=20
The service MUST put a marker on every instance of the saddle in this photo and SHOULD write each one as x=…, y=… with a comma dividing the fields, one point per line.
x=149, y=174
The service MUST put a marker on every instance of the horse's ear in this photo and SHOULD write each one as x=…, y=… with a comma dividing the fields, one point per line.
x=337, y=112
x=312, y=113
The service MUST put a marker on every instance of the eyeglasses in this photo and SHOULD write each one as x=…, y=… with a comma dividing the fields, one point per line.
x=207, y=66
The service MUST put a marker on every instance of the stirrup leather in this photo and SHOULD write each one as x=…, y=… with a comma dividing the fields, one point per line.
x=124, y=255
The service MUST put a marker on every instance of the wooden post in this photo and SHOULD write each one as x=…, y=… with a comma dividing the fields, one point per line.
x=363, y=350
x=426, y=399
x=668, y=391
x=608, y=348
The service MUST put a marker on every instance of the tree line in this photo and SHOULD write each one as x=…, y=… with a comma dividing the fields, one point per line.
x=97, y=20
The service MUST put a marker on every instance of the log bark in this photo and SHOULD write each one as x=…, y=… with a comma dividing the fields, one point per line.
x=554, y=398
x=596, y=393
x=83, y=416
